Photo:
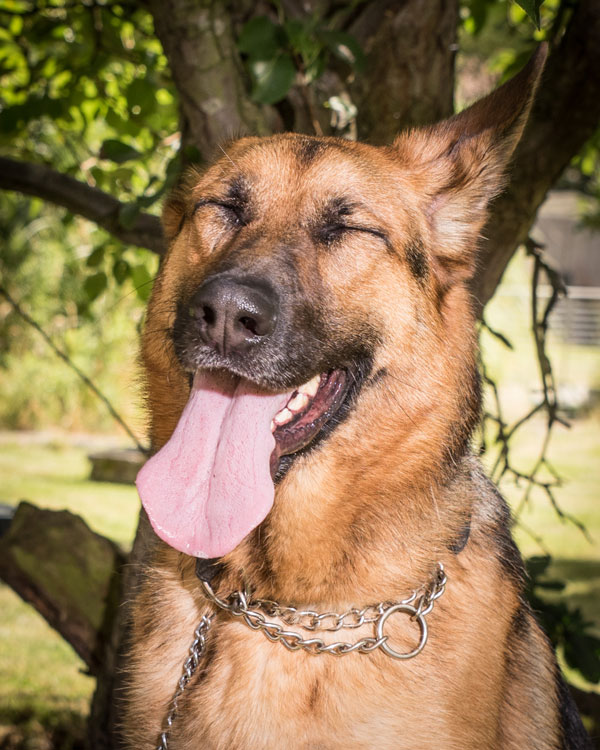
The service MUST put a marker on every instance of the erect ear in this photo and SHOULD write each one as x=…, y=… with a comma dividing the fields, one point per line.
x=459, y=166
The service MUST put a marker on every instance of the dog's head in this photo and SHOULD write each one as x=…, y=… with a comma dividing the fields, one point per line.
x=312, y=312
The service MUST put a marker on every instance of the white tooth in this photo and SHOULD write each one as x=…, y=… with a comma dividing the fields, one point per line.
x=273, y=425
x=282, y=417
x=311, y=387
x=298, y=402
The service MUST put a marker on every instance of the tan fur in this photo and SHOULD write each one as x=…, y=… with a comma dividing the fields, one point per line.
x=365, y=517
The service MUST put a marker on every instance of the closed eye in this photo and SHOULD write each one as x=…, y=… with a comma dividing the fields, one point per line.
x=334, y=232
x=233, y=211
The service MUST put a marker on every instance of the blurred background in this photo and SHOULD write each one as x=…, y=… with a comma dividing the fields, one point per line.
x=102, y=104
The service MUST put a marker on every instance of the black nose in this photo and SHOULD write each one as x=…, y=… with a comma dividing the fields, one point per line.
x=233, y=315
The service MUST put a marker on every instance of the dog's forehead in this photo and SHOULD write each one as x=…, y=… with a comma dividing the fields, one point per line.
x=291, y=166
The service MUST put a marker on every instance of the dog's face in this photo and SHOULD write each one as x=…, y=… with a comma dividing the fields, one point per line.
x=333, y=274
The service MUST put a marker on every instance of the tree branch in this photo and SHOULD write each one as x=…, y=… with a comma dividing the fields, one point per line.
x=565, y=114
x=81, y=199
x=70, y=574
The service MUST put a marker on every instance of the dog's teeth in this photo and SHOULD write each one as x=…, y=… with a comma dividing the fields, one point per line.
x=273, y=425
x=311, y=388
x=282, y=417
x=299, y=402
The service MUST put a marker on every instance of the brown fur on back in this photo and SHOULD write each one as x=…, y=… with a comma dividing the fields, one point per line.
x=365, y=515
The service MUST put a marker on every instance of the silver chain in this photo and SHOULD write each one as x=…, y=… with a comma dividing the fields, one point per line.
x=252, y=611
x=190, y=666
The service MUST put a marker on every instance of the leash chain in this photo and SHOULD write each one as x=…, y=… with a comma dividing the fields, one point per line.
x=189, y=669
x=252, y=611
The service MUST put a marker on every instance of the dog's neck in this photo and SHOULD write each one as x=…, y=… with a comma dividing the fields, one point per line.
x=303, y=557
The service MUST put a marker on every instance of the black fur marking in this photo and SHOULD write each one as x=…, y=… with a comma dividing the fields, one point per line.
x=238, y=191
x=573, y=734
x=508, y=553
x=314, y=695
x=461, y=542
x=308, y=149
x=379, y=375
x=521, y=622
x=498, y=530
x=417, y=260
x=334, y=223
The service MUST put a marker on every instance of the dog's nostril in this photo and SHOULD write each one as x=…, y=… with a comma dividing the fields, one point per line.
x=249, y=324
x=209, y=315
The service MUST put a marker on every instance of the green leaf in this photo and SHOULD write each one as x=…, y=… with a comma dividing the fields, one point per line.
x=303, y=40
x=95, y=257
x=141, y=93
x=260, y=38
x=121, y=270
x=142, y=281
x=94, y=285
x=128, y=214
x=272, y=79
x=345, y=47
x=118, y=151
x=532, y=8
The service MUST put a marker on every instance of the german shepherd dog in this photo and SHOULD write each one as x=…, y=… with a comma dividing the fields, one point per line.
x=312, y=376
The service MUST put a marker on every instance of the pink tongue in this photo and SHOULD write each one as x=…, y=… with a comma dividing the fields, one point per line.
x=210, y=485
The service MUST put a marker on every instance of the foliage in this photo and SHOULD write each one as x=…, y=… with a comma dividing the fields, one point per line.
x=85, y=87
x=276, y=52
x=566, y=626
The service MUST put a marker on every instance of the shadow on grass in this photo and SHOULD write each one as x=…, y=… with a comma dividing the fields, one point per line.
x=32, y=728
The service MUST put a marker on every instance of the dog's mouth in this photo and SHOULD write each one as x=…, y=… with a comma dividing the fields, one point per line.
x=310, y=409
x=213, y=482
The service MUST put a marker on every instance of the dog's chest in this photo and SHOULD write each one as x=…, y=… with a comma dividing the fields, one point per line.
x=256, y=694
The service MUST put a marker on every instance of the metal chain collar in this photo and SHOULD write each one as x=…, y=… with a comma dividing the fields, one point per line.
x=252, y=611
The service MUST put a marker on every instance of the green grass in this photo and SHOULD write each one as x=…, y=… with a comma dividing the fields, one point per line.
x=44, y=693
x=55, y=476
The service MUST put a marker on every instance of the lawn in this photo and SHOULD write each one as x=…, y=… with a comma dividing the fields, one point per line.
x=44, y=694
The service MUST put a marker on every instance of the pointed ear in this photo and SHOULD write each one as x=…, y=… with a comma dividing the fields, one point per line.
x=460, y=166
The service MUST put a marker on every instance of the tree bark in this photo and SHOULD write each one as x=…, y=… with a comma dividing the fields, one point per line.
x=199, y=42
x=409, y=80
x=70, y=574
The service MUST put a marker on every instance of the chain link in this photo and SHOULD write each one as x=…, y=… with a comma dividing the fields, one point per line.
x=255, y=611
x=190, y=666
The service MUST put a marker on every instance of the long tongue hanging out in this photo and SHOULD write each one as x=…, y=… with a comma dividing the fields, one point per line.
x=210, y=485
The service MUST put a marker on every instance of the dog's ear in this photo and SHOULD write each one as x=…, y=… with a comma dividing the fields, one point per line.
x=459, y=166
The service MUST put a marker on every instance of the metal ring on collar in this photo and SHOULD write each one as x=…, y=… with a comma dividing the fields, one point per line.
x=404, y=609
